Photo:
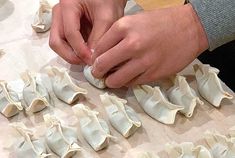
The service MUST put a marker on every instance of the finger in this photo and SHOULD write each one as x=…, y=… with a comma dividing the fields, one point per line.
x=110, y=59
x=71, y=21
x=144, y=78
x=56, y=41
x=98, y=30
x=125, y=74
x=111, y=38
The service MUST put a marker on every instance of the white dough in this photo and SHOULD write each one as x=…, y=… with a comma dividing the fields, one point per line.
x=10, y=104
x=42, y=19
x=99, y=83
x=155, y=104
x=182, y=94
x=60, y=139
x=122, y=117
x=94, y=130
x=63, y=86
x=209, y=85
x=35, y=94
x=187, y=150
x=27, y=146
x=147, y=155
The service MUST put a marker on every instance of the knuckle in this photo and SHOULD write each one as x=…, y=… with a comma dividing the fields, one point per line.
x=68, y=34
x=145, y=62
x=53, y=43
x=134, y=42
x=122, y=24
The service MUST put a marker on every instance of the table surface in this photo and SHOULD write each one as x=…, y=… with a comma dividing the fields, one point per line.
x=25, y=49
x=152, y=4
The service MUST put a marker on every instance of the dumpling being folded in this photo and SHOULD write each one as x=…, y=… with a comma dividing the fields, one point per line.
x=98, y=83
x=94, y=130
x=10, y=104
x=187, y=150
x=35, y=95
x=122, y=117
x=27, y=146
x=63, y=86
x=60, y=139
x=155, y=104
x=182, y=94
x=209, y=85
x=43, y=17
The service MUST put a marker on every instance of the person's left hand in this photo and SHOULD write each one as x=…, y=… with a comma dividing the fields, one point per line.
x=149, y=46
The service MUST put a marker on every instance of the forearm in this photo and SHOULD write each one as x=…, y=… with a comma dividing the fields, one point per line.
x=218, y=19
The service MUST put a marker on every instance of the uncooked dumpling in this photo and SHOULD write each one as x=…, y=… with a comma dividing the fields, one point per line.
x=147, y=155
x=35, y=95
x=122, y=117
x=182, y=94
x=60, y=139
x=43, y=17
x=63, y=86
x=94, y=130
x=27, y=146
x=209, y=85
x=10, y=104
x=187, y=150
x=99, y=83
x=155, y=104
x=220, y=146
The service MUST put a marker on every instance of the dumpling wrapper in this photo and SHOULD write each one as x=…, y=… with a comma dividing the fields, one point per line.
x=147, y=155
x=35, y=94
x=122, y=117
x=63, y=86
x=10, y=103
x=155, y=104
x=43, y=17
x=27, y=146
x=60, y=139
x=98, y=83
x=187, y=150
x=209, y=84
x=182, y=94
x=94, y=130
x=220, y=146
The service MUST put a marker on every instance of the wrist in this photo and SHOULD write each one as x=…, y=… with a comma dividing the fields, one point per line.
x=200, y=34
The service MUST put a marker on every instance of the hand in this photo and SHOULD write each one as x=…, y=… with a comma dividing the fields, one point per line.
x=149, y=46
x=77, y=25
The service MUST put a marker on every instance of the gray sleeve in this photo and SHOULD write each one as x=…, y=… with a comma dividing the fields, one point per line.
x=218, y=19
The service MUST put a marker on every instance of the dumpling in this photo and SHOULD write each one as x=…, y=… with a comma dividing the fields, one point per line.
x=147, y=155
x=94, y=130
x=209, y=85
x=63, y=86
x=187, y=150
x=35, y=95
x=122, y=117
x=10, y=104
x=98, y=83
x=27, y=146
x=43, y=17
x=60, y=139
x=220, y=146
x=155, y=104
x=182, y=94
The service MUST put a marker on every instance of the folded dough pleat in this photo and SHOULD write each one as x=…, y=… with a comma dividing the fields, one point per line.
x=35, y=95
x=155, y=104
x=27, y=146
x=43, y=17
x=94, y=130
x=60, y=139
x=63, y=86
x=182, y=94
x=122, y=117
x=220, y=146
x=10, y=104
x=98, y=83
x=209, y=84
x=187, y=150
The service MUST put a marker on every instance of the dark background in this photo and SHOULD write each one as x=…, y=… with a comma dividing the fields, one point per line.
x=222, y=58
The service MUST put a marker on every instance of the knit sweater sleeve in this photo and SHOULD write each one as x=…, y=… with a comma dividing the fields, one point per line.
x=218, y=19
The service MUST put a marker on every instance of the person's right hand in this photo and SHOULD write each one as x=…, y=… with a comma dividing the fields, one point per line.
x=77, y=25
